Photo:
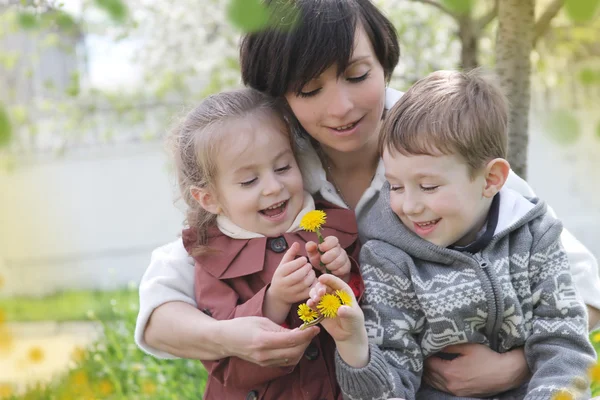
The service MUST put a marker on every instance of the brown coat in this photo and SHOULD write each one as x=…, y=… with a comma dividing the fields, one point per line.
x=232, y=283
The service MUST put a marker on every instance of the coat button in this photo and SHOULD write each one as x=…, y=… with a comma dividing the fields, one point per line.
x=252, y=395
x=278, y=244
x=207, y=312
x=311, y=353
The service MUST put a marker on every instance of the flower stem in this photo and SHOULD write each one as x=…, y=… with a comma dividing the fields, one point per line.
x=321, y=240
x=312, y=323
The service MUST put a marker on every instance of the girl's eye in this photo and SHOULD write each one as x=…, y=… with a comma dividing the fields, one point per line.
x=358, y=78
x=283, y=169
x=428, y=188
x=248, y=183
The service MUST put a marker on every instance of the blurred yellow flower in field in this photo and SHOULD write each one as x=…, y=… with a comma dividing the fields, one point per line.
x=148, y=387
x=79, y=378
x=105, y=387
x=78, y=354
x=596, y=337
x=563, y=395
x=5, y=390
x=595, y=373
x=35, y=355
x=6, y=339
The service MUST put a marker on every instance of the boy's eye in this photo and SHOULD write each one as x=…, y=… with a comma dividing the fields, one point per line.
x=428, y=188
x=248, y=182
x=283, y=169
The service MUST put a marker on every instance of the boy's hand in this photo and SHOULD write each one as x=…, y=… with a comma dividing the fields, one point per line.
x=292, y=278
x=334, y=257
x=349, y=325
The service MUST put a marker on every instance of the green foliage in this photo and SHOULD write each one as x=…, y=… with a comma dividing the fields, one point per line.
x=114, y=368
x=563, y=127
x=28, y=20
x=66, y=306
x=248, y=15
x=581, y=10
x=589, y=76
x=116, y=9
x=60, y=19
x=74, y=86
x=5, y=127
x=459, y=6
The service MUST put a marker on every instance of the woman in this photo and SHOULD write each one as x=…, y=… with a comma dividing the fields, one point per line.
x=331, y=69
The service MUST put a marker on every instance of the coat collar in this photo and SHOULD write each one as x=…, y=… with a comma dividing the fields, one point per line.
x=234, y=258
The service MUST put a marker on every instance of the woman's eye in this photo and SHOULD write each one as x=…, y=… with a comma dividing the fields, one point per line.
x=248, y=182
x=395, y=188
x=361, y=78
x=283, y=169
x=308, y=94
x=428, y=188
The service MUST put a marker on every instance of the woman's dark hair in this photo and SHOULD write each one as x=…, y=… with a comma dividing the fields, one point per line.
x=308, y=36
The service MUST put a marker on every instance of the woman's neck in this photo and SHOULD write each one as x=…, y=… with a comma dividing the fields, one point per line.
x=363, y=161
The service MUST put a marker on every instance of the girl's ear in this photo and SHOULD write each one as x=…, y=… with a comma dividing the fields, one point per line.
x=206, y=199
x=496, y=173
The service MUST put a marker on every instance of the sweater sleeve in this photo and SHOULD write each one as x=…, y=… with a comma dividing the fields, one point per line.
x=584, y=266
x=558, y=351
x=169, y=277
x=393, y=319
x=222, y=302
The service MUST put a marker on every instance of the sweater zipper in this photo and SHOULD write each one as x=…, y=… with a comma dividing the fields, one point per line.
x=492, y=314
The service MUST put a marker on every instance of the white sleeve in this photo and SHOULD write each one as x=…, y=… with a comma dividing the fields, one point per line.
x=169, y=277
x=584, y=267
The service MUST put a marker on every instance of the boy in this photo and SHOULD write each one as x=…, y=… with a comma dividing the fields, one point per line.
x=454, y=257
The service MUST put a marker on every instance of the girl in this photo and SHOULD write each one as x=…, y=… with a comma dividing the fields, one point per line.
x=332, y=70
x=239, y=178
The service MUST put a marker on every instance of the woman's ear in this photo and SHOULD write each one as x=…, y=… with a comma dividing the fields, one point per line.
x=206, y=199
x=496, y=173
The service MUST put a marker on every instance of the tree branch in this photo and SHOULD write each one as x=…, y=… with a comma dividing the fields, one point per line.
x=543, y=22
x=485, y=19
x=438, y=6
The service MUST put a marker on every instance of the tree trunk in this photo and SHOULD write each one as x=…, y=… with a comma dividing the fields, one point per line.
x=514, y=42
x=468, y=43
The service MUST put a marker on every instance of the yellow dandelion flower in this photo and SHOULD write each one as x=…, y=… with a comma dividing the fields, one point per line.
x=6, y=339
x=306, y=313
x=345, y=298
x=596, y=337
x=79, y=378
x=5, y=390
x=313, y=220
x=594, y=373
x=105, y=387
x=148, y=387
x=329, y=305
x=35, y=355
x=78, y=354
x=563, y=395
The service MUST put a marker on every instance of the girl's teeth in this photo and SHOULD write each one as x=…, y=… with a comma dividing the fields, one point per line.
x=275, y=206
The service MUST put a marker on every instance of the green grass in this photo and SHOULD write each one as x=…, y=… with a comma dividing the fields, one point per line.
x=67, y=306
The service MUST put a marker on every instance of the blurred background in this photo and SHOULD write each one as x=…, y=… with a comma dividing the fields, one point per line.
x=88, y=90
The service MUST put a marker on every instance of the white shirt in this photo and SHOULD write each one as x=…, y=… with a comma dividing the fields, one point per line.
x=170, y=275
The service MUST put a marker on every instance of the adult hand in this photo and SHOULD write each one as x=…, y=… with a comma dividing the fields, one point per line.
x=332, y=255
x=263, y=342
x=477, y=372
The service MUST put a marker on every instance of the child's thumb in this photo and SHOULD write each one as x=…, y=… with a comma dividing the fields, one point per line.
x=291, y=254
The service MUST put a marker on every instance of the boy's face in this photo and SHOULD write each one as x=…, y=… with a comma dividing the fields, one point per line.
x=436, y=198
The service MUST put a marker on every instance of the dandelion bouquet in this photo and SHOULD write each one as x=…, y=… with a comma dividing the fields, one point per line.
x=330, y=302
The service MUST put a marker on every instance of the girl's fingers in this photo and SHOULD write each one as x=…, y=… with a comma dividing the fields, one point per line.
x=329, y=243
x=338, y=263
x=298, y=276
x=331, y=255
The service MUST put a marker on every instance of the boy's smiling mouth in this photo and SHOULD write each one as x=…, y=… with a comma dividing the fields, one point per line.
x=426, y=227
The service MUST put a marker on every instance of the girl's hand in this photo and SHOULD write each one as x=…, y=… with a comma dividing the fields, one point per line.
x=292, y=278
x=334, y=257
x=349, y=325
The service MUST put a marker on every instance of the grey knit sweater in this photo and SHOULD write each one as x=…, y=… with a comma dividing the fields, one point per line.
x=516, y=291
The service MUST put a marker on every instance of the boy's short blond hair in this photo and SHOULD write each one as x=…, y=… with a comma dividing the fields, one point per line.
x=450, y=112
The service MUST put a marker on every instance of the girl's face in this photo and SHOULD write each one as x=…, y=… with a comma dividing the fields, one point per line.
x=343, y=113
x=258, y=183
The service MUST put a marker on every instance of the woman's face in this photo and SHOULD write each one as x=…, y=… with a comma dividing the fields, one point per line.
x=343, y=113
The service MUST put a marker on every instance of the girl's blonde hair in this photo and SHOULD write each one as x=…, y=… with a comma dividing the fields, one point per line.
x=194, y=144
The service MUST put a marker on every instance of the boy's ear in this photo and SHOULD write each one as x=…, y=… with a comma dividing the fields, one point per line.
x=496, y=173
x=206, y=199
